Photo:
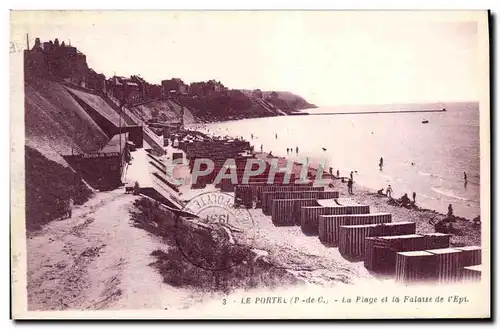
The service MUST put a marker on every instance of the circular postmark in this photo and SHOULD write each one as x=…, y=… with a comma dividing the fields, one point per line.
x=220, y=237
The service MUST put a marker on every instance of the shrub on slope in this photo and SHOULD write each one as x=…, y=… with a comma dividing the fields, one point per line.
x=161, y=110
x=49, y=185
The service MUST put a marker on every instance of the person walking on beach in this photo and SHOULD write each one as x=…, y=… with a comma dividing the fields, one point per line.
x=465, y=178
x=389, y=191
x=381, y=163
x=276, y=136
x=349, y=186
x=69, y=209
x=287, y=149
x=414, y=197
x=331, y=171
x=251, y=135
x=296, y=149
x=338, y=174
x=71, y=206
x=351, y=175
x=261, y=148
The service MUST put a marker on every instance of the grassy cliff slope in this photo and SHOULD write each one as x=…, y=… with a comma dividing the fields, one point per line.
x=55, y=125
x=53, y=119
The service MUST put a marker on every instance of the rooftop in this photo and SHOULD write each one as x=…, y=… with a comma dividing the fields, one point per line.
x=114, y=144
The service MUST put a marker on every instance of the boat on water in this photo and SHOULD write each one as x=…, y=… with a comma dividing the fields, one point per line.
x=425, y=121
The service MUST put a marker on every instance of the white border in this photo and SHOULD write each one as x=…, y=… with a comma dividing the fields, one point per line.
x=261, y=4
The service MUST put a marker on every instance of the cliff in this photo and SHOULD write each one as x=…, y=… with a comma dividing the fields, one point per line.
x=242, y=104
x=288, y=101
x=162, y=110
x=55, y=121
x=60, y=119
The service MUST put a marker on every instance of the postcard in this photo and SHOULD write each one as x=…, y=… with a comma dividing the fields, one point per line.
x=250, y=164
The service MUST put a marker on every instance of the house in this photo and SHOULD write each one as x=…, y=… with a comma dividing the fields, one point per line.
x=104, y=169
x=57, y=59
x=216, y=86
x=154, y=91
x=95, y=81
x=196, y=89
x=35, y=61
x=127, y=90
x=174, y=87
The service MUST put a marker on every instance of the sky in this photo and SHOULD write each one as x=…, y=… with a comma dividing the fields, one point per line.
x=328, y=57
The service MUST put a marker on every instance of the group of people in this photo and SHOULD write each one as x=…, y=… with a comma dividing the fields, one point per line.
x=330, y=171
x=288, y=150
x=350, y=181
x=445, y=225
x=442, y=226
x=403, y=201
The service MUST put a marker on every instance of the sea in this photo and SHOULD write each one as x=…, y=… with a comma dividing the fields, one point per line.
x=429, y=159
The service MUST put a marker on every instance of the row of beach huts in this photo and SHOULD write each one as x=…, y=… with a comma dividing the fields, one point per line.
x=387, y=247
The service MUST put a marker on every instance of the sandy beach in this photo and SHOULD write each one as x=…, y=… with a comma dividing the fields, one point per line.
x=99, y=259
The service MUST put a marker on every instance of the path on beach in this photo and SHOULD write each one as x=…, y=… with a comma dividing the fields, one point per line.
x=97, y=260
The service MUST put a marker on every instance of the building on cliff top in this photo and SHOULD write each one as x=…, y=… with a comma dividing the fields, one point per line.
x=66, y=62
x=174, y=87
x=128, y=90
x=56, y=59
